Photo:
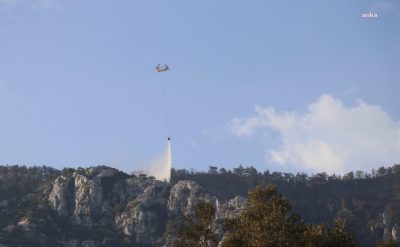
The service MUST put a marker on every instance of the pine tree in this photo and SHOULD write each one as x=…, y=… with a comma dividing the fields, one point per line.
x=268, y=221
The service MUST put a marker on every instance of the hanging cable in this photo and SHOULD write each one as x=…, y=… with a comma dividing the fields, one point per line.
x=165, y=108
x=159, y=69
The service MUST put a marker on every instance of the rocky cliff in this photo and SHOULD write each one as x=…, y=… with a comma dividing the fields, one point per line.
x=101, y=206
x=125, y=210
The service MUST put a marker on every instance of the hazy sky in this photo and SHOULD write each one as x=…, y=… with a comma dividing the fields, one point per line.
x=283, y=85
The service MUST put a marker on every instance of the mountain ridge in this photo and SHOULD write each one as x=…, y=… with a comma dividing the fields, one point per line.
x=101, y=206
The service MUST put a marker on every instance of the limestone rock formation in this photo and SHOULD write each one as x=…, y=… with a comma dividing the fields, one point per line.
x=183, y=198
x=231, y=208
x=145, y=217
x=88, y=199
x=61, y=195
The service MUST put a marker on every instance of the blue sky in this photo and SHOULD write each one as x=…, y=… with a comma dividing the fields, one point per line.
x=77, y=86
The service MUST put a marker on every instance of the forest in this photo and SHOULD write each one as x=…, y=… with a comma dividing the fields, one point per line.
x=367, y=200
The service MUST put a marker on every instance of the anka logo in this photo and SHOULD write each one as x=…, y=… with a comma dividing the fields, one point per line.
x=369, y=15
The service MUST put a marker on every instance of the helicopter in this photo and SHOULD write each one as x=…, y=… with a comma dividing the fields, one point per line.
x=160, y=68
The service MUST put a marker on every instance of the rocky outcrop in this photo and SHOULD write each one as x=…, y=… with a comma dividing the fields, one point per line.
x=231, y=208
x=61, y=195
x=183, y=198
x=88, y=199
x=396, y=233
x=128, y=189
x=138, y=207
x=144, y=218
x=385, y=227
x=135, y=206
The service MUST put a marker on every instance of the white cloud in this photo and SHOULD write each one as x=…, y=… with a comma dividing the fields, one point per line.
x=328, y=137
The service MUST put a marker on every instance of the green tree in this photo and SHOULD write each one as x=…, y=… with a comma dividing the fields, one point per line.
x=341, y=235
x=268, y=221
x=198, y=231
x=213, y=170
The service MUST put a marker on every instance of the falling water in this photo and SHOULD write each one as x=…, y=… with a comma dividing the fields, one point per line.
x=169, y=159
x=160, y=167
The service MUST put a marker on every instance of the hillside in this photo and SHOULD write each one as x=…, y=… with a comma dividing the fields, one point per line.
x=101, y=206
x=368, y=201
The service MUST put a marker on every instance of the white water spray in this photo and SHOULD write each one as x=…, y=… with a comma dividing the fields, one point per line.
x=160, y=167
